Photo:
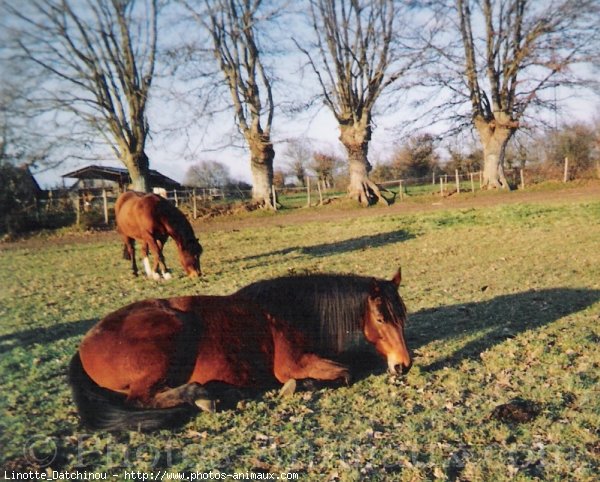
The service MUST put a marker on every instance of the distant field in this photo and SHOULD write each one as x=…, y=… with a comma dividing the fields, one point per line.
x=504, y=303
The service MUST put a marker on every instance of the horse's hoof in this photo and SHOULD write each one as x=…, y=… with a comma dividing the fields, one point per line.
x=288, y=388
x=156, y=276
x=167, y=276
x=206, y=405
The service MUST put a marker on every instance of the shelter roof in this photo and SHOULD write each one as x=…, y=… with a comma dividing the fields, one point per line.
x=121, y=176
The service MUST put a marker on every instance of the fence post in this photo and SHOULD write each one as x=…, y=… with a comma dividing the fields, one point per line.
x=433, y=178
x=457, y=181
x=480, y=179
x=472, y=182
x=400, y=190
x=522, y=179
x=307, y=191
x=442, y=186
x=566, y=173
x=320, y=192
x=194, y=203
x=274, y=197
x=77, y=209
x=105, y=205
x=176, y=198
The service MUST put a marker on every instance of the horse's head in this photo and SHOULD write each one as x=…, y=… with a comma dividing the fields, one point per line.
x=189, y=256
x=383, y=324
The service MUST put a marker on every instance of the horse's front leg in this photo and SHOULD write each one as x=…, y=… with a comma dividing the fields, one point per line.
x=309, y=366
x=190, y=393
x=312, y=366
x=150, y=273
x=292, y=361
x=310, y=372
x=159, y=260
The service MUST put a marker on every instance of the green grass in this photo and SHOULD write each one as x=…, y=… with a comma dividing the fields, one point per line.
x=504, y=302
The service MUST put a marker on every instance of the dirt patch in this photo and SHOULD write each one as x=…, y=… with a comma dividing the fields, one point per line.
x=517, y=411
x=345, y=209
x=205, y=213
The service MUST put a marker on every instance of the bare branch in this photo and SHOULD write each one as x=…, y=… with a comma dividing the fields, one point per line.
x=91, y=56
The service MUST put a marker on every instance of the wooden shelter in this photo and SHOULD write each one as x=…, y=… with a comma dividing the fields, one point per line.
x=92, y=178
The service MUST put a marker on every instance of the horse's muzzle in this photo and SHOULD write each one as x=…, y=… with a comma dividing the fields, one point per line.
x=399, y=369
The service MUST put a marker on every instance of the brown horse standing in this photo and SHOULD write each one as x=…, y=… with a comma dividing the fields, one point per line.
x=145, y=365
x=151, y=219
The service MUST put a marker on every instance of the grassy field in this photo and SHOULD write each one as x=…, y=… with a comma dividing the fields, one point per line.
x=504, y=303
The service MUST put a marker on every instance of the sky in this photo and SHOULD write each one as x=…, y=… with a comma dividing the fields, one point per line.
x=169, y=155
x=172, y=154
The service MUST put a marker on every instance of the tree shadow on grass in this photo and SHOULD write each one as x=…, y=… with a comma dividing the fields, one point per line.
x=48, y=334
x=497, y=319
x=344, y=246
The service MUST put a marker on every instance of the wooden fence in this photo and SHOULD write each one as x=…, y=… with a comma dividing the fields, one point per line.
x=314, y=192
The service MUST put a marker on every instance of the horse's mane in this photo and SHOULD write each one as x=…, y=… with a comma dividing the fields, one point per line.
x=328, y=308
x=181, y=229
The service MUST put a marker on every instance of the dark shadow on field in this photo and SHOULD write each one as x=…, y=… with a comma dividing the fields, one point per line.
x=44, y=335
x=502, y=318
x=345, y=246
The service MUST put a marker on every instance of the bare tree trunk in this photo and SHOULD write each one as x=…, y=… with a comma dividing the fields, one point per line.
x=261, y=166
x=494, y=139
x=356, y=141
x=138, y=167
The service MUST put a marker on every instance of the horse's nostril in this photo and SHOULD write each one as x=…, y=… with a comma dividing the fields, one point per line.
x=398, y=369
x=406, y=369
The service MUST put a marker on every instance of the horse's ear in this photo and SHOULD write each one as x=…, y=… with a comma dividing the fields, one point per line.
x=397, y=278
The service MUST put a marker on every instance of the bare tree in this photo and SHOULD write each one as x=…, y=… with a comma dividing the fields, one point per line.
x=512, y=53
x=98, y=58
x=575, y=142
x=325, y=166
x=417, y=157
x=233, y=28
x=208, y=174
x=358, y=53
x=299, y=153
x=22, y=141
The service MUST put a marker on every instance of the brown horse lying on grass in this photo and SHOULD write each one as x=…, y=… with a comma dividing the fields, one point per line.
x=148, y=364
x=151, y=219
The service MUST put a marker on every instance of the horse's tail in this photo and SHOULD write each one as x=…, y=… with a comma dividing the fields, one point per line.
x=103, y=409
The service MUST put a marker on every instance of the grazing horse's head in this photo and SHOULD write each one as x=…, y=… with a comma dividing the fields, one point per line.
x=189, y=255
x=383, y=324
